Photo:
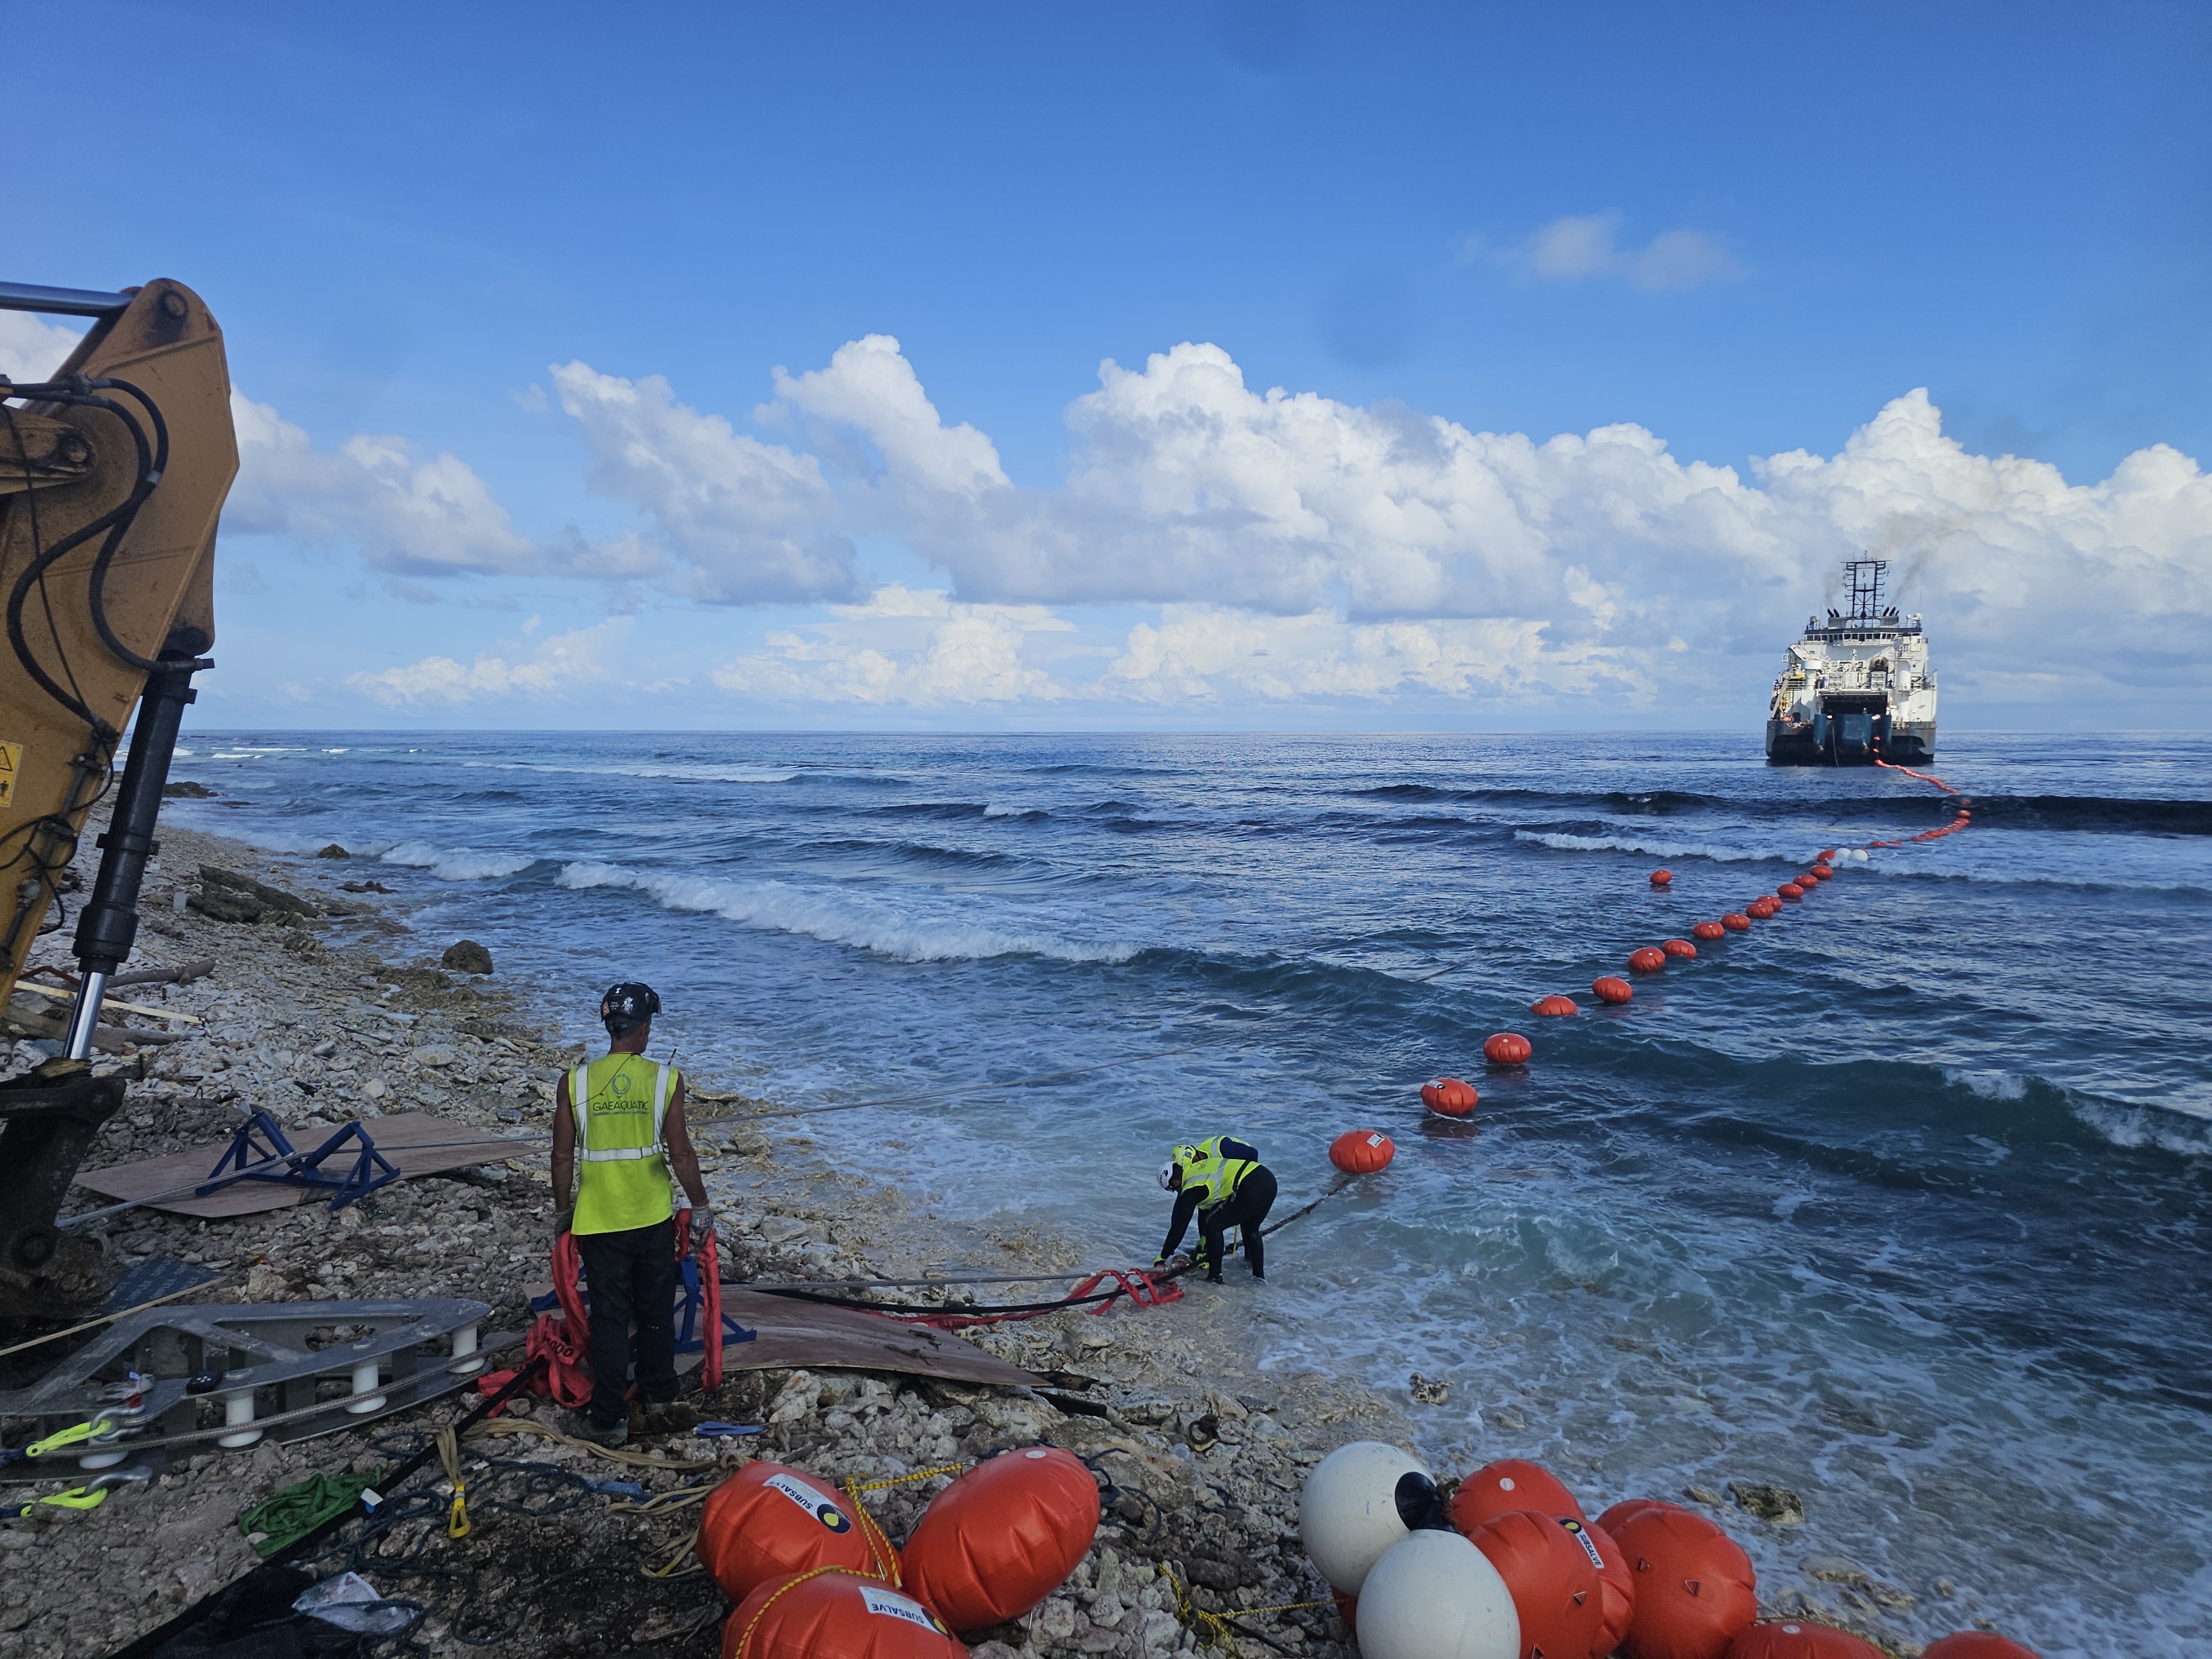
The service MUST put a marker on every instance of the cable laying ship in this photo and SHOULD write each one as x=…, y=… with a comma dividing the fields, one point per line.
x=1857, y=688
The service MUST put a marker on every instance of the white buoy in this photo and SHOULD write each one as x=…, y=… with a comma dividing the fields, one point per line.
x=1348, y=1513
x=1434, y=1596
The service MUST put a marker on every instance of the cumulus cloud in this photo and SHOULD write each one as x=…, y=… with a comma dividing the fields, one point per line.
x=734, y=520
x=31, y=348
x=1581, y=246
x=586, y=659
x=918, y=648
x=404, y=514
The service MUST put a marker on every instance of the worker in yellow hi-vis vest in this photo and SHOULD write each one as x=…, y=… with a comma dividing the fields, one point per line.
x=621, y=1115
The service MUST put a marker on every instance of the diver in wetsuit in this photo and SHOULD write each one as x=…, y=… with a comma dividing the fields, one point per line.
x=1223, y=1183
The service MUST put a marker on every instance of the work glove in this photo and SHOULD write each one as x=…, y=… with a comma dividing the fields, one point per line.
x=563, y=1221
x=702, y=1223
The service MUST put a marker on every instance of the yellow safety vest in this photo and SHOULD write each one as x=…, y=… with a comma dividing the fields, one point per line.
x=620, y=1101
x=1208, y=1170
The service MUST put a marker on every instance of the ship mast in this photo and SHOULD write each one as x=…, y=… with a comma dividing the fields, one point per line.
x=1863, y=587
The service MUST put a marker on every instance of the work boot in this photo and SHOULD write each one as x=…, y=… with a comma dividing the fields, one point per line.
x=583, y=1427
x=666, y=1417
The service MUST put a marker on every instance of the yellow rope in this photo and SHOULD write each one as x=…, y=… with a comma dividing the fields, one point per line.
x=449, y=1453
x=781, y=1590
x=1213, y=1629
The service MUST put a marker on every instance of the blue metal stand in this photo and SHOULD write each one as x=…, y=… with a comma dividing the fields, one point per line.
x=261, y=1152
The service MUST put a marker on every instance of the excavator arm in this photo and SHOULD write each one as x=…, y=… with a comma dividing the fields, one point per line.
x=112, y=474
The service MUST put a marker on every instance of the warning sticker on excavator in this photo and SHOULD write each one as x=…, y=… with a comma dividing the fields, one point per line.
x=11, y=756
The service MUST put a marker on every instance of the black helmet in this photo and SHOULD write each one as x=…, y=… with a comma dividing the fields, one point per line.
x=628, y=1006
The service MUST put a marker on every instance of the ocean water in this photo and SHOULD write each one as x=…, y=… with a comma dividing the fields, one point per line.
x=1901, y=1201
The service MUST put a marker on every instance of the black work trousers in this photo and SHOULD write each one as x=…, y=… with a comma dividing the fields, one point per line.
x=631, y=1279
x=1246, y=1207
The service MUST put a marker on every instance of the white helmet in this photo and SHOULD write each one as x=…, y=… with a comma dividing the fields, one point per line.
x=1168, y=1173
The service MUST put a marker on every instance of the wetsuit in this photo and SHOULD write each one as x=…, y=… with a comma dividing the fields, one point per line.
x=1246, y=1207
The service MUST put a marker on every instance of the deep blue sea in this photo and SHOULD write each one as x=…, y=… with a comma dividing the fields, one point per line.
x=1904, y=1200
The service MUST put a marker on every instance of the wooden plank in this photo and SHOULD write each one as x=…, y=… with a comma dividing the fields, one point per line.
x=416, y=1143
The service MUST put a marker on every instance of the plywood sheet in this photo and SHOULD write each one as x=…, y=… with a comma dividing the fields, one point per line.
x=792, y=1335
x=416, y=1143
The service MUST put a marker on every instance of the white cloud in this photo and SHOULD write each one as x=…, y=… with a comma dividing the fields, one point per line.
x=1581, y=246
x=403, y=513
x=902, y=647
x=588, y=658
x=31, y=348
x=1187, y=488
x=739, y=521
x=871, y=387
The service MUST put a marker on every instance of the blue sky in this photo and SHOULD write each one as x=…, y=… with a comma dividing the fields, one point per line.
x=1737, y=232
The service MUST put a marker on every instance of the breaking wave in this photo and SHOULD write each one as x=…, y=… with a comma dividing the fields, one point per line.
x=460, y=863
x=839, y=918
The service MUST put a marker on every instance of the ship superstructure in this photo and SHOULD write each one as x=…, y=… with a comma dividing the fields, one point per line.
x=1857, y=686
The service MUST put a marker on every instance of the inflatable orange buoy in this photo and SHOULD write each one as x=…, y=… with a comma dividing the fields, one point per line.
x=1649, y=960
x=1976, y=1644
x=1508, y=1485
x=1661, y=878
x=1553, y=1007
x=1449, y=1097
x=1735, y=921
x=1799, y=1638
x=1709, y=930
x=1823, y=872
x=796, y=1616
x=768, y=1521
x=1002, y=1537
x=1789, y=890
x=1508, y=1049
x=1616, y=1592
x=1695, y=1588
x=1552, y=1574
x=1680, y=949
x=1610, y=989
x=1825, y=855
x=1361, y=1152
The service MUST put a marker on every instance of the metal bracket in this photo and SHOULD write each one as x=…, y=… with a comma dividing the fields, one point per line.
x=260, y=1150
x=266, y=1375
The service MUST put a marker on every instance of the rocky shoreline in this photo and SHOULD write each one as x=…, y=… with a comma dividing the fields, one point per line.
x=324, y=1006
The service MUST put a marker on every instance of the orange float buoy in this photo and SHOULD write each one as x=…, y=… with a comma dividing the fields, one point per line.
x=1616, y=1592
x=1737, y=922
x=1508, y=1485
x=768, y=1521
x=1976, y=1644
x=1825, y=855
x=1002, y=1537
x=1661, y=878
x=1695, y=1587
x=1362, y=1151
x=1649, y=960
x=800, y=1615
x=1799, y=1638
x=1823, y=871
x=1508, y=1049
x=1680, y=949
x=1552, y=1574
x=1709, y=930
x=1789, y=890
x=1610, y=989
x=1449, y=1097
x=1553, y=1007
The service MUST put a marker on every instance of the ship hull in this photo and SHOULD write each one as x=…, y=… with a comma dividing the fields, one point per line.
x=1840, y=740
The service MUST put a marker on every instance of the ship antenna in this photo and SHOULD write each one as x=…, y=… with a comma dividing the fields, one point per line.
x=1863, y=582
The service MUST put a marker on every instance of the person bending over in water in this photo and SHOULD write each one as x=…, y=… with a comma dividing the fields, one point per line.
x=1223, y=1183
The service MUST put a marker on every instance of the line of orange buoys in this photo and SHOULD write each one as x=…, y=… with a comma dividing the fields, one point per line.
x=1455, y=1097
